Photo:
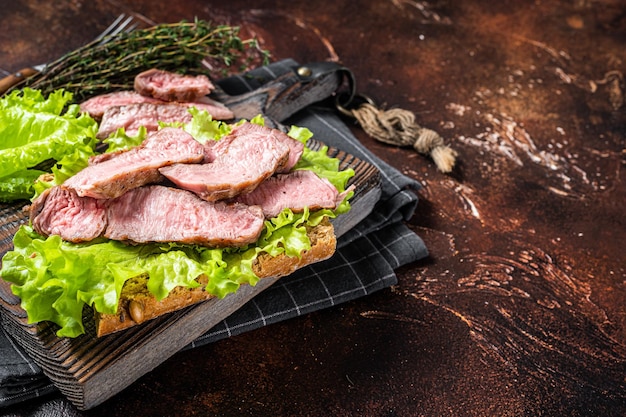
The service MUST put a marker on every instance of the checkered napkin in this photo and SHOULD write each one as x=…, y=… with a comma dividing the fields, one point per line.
x=364, y=262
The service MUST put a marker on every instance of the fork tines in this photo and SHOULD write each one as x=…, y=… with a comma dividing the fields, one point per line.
x=122, y=23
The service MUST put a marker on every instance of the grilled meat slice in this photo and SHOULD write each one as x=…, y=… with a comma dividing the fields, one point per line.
x=250, y=157
x=162, y=214
x=59, y=211
x=295, y=190
x=97, y=105
x=131, y=117
x=169, y=86
x=110, y=177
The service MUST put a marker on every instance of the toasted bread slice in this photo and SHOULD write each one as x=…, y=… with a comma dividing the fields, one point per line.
x=137, y=304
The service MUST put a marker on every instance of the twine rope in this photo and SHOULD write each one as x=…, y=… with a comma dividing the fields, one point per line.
x=398, y=127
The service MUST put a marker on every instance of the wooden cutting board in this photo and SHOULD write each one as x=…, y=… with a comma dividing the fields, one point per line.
x=89, y=370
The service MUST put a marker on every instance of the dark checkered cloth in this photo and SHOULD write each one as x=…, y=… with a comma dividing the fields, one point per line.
x=364, y=262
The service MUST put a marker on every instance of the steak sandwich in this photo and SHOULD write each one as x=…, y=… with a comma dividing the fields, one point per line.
x=181, y=207
x=173, y=216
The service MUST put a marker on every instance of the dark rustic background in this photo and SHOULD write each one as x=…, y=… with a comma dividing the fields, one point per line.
x=520, y=309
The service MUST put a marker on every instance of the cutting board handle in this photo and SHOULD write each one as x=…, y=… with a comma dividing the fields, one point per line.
x=289, y=93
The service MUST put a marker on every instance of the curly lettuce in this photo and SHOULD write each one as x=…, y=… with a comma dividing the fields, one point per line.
x=35, y=129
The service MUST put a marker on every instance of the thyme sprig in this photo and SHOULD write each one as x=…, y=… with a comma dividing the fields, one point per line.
x=100, y=67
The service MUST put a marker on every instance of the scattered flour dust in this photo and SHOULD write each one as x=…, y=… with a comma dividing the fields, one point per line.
x=506, y=137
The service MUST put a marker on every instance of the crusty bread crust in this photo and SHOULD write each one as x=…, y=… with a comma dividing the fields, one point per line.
x=138, y=305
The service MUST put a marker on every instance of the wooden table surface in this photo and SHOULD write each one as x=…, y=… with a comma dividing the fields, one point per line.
x=520, y=310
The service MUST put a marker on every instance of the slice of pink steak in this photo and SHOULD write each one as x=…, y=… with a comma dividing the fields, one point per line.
x=59, y=211
x=97, y=105
x=296, y=148
x=250, y=157
x=170, y=86
x=162, y=214
x=295, y=190
x=112, y=176
x=131, y=117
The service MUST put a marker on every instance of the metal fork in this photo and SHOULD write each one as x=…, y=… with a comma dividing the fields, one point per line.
x=123, y=23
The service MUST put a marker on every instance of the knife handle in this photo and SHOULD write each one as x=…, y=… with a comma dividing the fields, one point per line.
x=10, y=80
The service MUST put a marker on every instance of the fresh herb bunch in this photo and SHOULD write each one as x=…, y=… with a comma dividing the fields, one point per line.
x=101, y=67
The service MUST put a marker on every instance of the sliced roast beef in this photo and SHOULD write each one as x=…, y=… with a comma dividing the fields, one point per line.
x=214, y=148
x=112, y=176
x=59, y=211
x=147, y=214
x=295, y=190
x=96, y=106
x=162, y=214
x=131, y=117
x=250, y=157
x=296, y=148
x=169, y=86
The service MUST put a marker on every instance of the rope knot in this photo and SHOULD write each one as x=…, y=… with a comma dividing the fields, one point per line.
x=398, y=127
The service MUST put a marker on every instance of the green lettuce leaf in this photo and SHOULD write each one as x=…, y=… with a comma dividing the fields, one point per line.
x=19, y=185
x=35, y=129
x=120, y=141
x=203, y=128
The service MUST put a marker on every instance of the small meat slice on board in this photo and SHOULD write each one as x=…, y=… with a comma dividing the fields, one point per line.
x=169, y=86
x=161, y=214
x=131, y=117
x=59, y=211
x=110, y=177
x=295, y=190
x=250, y=158
x=97, y=105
